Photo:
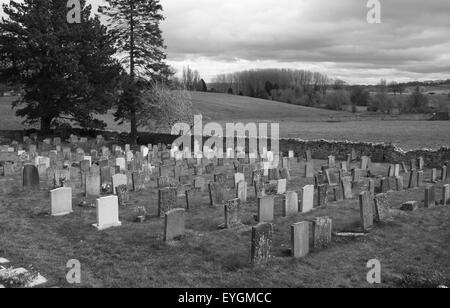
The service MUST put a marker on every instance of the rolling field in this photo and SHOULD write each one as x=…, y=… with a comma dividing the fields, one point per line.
x=297, y=121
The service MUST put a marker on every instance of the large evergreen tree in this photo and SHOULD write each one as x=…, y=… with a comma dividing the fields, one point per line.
x=135, y=26
x=66, y=71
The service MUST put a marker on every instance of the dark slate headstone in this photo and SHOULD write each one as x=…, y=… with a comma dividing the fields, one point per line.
x=412, y=179
x=262, y=237
x=274, y=174
x=322, y=195
x=167, y=200
x=30, y=177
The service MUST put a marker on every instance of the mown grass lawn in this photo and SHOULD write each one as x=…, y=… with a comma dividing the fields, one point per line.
x=134, y=255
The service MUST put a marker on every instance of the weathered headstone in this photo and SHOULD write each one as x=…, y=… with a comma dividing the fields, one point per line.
x=399, y=183
x=410, y=206
x=167, y=200
x=194, y=198
x=347, y=187
x=445, y=194
x=281, y=186
x=216, y=194
x=300, y=239
x=366, y=210
x=309, y=169
x=241, y=191
x=123, y=195
x=232, y=210
x=322, y=195
x=92, y=184
x=117, y=180
x=174, y=224
x=430, y=197
x=381, y=207
x=262, y=236
x=322, y=229
x=412, y=179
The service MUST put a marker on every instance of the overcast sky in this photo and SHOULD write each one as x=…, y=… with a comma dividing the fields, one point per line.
x=330, y=36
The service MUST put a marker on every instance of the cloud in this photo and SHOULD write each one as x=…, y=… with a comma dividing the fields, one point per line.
x=333, y=37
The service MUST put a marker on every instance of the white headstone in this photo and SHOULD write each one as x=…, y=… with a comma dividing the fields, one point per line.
x=119, y=179
x=308, y=198
x=61, y=201
x=120, y=161
x=107, y=213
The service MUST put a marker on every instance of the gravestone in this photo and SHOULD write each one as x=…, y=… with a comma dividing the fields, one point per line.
x=194, y=198
x=266, y=208
x=405, y=169
x=123, y=196
x=300, y=239
x=384, y=185
x=308, y=155
x=412, y=179
x=434, y=175
x=117, y=180
x=92, y=184
x=262, y=236
x=281, y=186
x=337, y=194
x=216, y=194
x=174, y=224
x=381, y=207
x=167, y=200
x=445, y=194
x=200, y=184
x=399, y=183
x=307, y=199
x=322, y=228
x=232, y=210
x=430, y=197
x=444, y=173
x=410, y=206
x=371, y=188
x=138, y=181
x=420, y=178
x=347, y=187
x=61, y=201
x=290, y=204
x=309, y=170
x=273, y=174
x=366, y=210
x=30, y=177
x=364, y=162
x=121, y=162
x=237, y=178
x=241, y=191
x=331, y=177
x=322, y=195
x=284, y=174
x=107, y=213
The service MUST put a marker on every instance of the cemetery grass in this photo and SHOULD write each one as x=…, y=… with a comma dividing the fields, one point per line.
x=407, y=131
x=134, y=255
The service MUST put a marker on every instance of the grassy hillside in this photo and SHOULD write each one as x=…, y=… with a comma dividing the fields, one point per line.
x=217, y=106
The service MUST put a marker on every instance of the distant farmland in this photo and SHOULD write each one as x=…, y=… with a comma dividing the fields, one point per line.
x=298, y=121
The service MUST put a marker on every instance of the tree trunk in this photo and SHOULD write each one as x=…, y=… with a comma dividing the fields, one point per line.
x=46, y=125
x=134, y=130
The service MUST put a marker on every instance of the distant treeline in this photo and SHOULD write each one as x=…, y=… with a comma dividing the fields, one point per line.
x=299, y=87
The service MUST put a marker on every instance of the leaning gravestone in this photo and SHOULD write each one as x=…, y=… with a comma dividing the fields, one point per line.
x=30, y=178
x=322, y=228
x=300, y=239
x=232, y=213
x=167, y=200
x=61, y=201
x=262, y=236
x=266, y=209
x=366, y=210
x=174, y=224
x=381, y=207
x=107, y=213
